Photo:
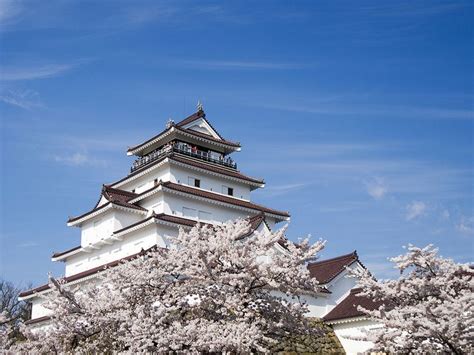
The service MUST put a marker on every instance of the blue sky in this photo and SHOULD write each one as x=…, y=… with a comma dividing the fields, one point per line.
x=359, y=115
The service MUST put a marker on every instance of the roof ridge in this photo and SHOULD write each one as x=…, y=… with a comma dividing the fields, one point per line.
x=192, y=117
x=118, y=191
x=334, y=259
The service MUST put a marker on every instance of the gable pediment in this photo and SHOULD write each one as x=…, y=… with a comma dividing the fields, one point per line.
x=202, y=126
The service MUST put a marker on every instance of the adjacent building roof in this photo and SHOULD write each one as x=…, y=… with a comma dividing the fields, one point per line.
x=37, y=320
x=347, y=308
x=326, y=270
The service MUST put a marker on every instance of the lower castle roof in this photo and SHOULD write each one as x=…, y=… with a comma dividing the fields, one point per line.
x=348, y=307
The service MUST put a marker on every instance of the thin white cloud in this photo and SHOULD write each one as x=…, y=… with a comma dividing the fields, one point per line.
x=466, y=225
x=79, y=159
x=284, y=189
x=344, y=207
x=11, y=73
x=28, y=245
x=415, y=210
x=445, y=215
x=376, y=188
x=345, y=109
x=9, y=10
x=25, y=99
x=236, y=64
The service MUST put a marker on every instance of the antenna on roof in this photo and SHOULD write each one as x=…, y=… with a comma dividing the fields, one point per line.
x=199, y=106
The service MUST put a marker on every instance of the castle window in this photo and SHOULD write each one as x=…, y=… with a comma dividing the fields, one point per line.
x=228, y=190
x=194, y=182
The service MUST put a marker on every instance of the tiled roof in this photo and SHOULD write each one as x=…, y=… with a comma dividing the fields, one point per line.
x=163, y=217
x=207, y=136
x=221, y=198
x=117, y=195
x=179, y=127
x=195, y=116
x=114, y=196
x=57, y=255
x=37, y=320
x=326, y=270
x=192, y=162
x=347, y=308
x=214, y=168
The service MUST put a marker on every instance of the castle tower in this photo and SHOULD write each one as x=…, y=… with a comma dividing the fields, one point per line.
x=181, y=176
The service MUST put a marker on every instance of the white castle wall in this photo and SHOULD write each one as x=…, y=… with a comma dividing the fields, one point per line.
x=133, y=243
x=349, y=334
x=146, y=181
x=209, y=182
x=105, y=224
x=38, y=310
x=188, y=207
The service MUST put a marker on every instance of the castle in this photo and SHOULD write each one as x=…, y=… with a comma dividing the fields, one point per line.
x=182, y=176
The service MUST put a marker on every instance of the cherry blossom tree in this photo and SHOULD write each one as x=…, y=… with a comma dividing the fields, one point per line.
x=219, y=288
x=6, y=331
x=429, y=309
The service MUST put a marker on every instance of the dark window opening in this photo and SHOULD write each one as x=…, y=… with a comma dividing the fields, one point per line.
x=230, y=191
x=197, y=182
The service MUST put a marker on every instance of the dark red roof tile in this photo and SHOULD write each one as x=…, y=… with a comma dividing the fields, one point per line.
x=56, y=255
x=37, y=320
x=214, y=168
x=220, y=198
x=195, y=116
x=326, y=270
x=347, y=308
x=179, y=126
x=114, y=196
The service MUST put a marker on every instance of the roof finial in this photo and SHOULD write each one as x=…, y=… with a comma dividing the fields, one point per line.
x=199, y=106
x=169, y=123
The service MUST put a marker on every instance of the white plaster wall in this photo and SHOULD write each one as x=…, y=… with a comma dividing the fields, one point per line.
x=37, y=309
x=125, y=218
x=155, y=202
x=210, y=182
x=317, y=306
x=345, y=331
x=131, y=244
x=98, y=227
x=340, y=288
x=146, y=181
x=174, y=206
x=105, y=224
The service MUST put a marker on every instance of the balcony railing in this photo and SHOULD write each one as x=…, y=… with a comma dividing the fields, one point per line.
x=185, y=149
